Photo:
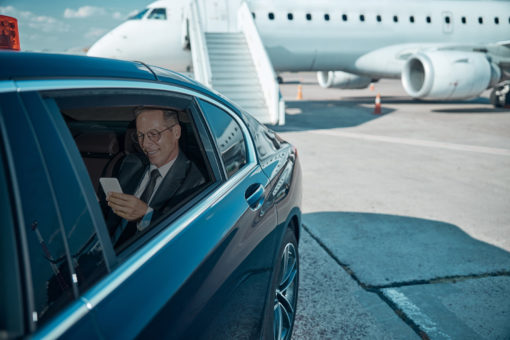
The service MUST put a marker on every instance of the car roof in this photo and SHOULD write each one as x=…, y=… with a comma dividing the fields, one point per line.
x=16, y=65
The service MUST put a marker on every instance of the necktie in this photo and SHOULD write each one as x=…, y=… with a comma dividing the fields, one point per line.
x=147, y=193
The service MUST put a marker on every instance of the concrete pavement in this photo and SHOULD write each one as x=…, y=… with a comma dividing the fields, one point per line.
x=409, y=210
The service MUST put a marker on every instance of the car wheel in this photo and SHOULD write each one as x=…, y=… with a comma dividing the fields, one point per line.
x=285, y=287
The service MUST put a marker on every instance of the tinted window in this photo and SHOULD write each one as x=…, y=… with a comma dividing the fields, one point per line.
x=49, y=263
x=266, y=140
x=87, y=260
x=158, y=14
x=10, y=286
x=228, y=135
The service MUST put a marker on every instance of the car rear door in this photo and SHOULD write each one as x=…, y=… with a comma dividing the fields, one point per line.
x=207, y=270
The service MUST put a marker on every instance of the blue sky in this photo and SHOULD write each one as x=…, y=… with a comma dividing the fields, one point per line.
x=67, y=26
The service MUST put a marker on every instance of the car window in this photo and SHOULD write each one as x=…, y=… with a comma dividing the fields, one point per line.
x=86, y=255
x=103, y=126
x=266, y=141
x=10, y=286
x=49, y=267
x=228, y=135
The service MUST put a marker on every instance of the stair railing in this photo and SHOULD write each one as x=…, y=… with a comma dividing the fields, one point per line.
x=265, y=71
x=199, y=53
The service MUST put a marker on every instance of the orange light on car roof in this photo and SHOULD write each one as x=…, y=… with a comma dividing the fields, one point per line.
x=9, y=35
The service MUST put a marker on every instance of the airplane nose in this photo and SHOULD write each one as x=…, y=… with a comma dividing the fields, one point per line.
x=105, y=47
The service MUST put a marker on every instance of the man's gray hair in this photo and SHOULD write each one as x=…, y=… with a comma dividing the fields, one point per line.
x=170, y=116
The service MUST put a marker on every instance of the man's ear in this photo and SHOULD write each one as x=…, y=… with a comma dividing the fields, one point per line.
x=177, y=131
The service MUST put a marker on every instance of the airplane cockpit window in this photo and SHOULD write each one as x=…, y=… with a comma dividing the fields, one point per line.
x=139, y=15
x=158, y=14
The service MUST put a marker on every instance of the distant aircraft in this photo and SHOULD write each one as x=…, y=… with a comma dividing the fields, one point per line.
x=443, y=50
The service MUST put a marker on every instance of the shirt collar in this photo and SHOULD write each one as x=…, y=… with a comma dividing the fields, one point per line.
x=163, y=170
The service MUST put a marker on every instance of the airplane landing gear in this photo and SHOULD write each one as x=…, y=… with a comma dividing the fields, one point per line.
x=500, y=95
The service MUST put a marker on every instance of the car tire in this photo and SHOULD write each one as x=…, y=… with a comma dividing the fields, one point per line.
x=284, y=289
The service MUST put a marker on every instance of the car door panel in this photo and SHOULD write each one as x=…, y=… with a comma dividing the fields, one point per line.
x=162, y=273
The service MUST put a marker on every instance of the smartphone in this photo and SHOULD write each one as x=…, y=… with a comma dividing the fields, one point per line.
x=110, y=184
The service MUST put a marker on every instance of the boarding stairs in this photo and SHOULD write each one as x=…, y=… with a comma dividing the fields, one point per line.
x=235, y=63
x=234, y=74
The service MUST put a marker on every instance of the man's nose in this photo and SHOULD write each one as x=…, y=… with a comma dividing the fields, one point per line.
x=146, y=142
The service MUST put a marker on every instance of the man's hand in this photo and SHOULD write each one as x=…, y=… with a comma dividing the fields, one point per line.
x=126, y=206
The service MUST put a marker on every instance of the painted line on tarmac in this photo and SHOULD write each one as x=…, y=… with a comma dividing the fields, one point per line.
x=414, y=313
x=416, y=142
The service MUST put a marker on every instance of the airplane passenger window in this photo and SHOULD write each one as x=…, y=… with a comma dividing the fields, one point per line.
x=496, y=20
x=395, y=18
x=139, y=15
x=411, y=19
x=480, y=20
x=447, y=20
x=290, y=16
x=379, y=19
x=271, y=16
x=463, y=19
x=253, y=15
x=308, y=16
x=344, y=17
x=429, y=20
x=326, y=17
x=158, y=14
x=361, y=17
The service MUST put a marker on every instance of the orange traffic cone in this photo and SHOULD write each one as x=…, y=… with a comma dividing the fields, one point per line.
x=299, y=92
x=377, y=108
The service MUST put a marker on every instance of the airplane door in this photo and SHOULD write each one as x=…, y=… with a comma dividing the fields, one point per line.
x=447, y=22
x=216, y=15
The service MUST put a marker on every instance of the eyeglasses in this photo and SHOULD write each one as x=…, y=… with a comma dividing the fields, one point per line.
x=154, y=135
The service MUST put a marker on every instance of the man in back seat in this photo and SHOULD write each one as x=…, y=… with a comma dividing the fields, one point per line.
x=151, y=191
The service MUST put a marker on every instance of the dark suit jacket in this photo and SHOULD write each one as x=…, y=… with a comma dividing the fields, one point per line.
x=182, y=181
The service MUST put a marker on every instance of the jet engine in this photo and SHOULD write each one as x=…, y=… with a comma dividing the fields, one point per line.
x=342, y=80
x=448, y=75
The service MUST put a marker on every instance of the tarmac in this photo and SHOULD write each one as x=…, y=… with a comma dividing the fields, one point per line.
x=406, y=219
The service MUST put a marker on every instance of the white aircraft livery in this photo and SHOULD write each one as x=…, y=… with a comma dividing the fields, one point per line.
x=441, y=50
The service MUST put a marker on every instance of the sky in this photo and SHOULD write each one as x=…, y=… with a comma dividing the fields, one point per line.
x=67, y=26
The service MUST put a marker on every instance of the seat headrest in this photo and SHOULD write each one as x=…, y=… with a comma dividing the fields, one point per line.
x=98, y=142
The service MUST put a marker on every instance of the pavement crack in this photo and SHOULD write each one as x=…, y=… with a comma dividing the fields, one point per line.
x=445, y=279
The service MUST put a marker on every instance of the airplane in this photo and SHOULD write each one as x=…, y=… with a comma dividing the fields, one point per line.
x=441, y=50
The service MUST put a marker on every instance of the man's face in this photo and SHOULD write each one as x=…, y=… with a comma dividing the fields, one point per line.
x=161, y=151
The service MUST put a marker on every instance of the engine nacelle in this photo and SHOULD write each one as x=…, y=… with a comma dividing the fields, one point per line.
x=448, y=75
x=342, y=80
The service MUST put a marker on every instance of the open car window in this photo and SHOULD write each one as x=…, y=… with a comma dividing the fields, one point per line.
x=103, y=126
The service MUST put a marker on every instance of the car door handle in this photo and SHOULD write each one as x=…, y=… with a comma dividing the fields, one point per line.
x=255, y=195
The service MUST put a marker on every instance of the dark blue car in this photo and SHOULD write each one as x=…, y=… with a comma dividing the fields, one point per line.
x=221, y=263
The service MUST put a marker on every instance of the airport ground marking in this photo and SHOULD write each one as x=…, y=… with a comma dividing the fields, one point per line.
x=416, y=142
